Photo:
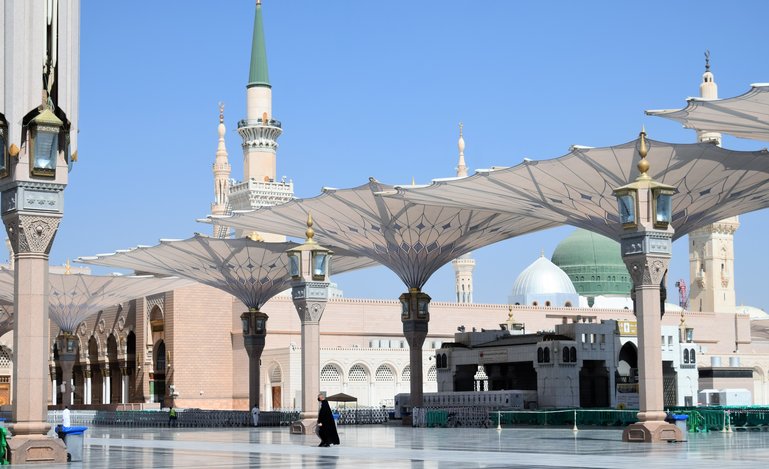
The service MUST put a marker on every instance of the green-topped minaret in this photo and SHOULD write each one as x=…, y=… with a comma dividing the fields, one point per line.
x=259, y=131
x=258, y=74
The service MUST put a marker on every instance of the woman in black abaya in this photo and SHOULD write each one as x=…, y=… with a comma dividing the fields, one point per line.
x=326, y=426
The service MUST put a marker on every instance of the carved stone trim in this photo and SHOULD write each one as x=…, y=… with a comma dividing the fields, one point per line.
x=648, y=271
x=31, y=233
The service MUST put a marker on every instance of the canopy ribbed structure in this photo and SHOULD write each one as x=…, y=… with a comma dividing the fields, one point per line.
x=576, y=189
x=73, y=298
x=6, y=319
x=745, y=116
x=411, y=239
x=251, y=271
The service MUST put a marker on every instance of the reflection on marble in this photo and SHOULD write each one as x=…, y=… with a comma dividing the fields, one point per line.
x=396, y=447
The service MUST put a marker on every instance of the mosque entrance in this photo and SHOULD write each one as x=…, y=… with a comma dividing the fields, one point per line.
x=594, y=384
x=276, y=404
x=5, y=390
x=669, y=384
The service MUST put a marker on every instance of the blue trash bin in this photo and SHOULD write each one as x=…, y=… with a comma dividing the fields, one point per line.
x=680, y=421
x=73, y=437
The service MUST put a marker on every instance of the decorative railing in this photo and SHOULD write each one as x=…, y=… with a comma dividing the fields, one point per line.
x=251, y=122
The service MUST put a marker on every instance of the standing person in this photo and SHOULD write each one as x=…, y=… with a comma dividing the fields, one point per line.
x=255, y=415
x=172, y=416
x=326, y=426
x=65, y=418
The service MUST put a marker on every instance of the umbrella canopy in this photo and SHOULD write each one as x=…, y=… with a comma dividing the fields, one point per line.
x=577, y=189
x=411, y=239
x=252, y=271
x=74, y=297
x=341, y=397
x=745, y=116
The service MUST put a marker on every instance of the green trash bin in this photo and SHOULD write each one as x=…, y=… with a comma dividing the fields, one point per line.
x=3, y=446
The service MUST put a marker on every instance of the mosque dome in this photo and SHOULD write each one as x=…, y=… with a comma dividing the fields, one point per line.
x=544, y=284
x=753, y=312
x=593, y=263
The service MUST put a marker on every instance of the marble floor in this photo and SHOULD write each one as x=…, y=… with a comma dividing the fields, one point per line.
x=393, y=447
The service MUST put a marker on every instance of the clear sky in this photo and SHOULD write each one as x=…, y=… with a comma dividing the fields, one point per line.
x=377, y=88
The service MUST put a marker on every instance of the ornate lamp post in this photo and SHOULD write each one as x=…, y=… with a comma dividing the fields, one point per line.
x=254, y=332
x=308, y=267
x=415, y=316
x=646, y=243
x=32, y=205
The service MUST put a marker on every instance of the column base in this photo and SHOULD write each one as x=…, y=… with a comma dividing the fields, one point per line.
x=304, y=427
x=36, y=449
x=652, y=432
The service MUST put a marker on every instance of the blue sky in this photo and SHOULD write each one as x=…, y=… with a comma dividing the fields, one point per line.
x=377, y=89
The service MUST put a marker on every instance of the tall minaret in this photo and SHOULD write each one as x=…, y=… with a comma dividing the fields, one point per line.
x=259, y=131
x=465, y=264
x=711, y=248
x=221, y=169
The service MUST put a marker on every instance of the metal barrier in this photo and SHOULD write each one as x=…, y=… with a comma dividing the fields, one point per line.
x=363, y=416
x=188, y=418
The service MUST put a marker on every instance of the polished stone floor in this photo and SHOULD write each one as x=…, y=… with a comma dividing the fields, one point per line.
x=393, y=447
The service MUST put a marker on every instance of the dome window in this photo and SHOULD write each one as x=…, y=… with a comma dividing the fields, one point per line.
x=546, y=357
x=566, y=354
x=567, y=304
x=547, y=303
x=573, y=354
x=540, y=355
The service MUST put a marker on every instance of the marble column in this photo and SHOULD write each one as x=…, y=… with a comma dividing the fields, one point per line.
x=31, y=236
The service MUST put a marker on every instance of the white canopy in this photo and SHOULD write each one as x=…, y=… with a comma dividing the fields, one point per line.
x=576, y=189
x=251, y=271
x=745, y=116
x=74, y=297
x=411, y=239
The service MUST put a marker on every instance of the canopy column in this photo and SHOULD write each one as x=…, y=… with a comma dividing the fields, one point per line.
x=415, y=317
x=254, y=335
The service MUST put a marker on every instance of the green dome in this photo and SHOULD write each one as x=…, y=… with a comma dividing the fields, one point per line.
x=593, y=263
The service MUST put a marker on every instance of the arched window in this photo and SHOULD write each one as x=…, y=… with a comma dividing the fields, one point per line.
x=406, y=375
x=566, y=354
x=276, y=376
x=534, y=303
x=384, y=373
x=547, y=303
x=546, y=358
x=357, y=374
x=444, y=361
x=573, y=354
x=540, y=355
x=686, y=355
x=330, y=374
x=692, y=358
x=567, y=304
x=432, y=374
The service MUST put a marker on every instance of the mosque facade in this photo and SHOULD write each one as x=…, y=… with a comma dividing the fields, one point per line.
x=185, y=347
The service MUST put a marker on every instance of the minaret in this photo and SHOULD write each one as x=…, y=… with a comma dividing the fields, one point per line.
x=259, y=131
x=711, y=248
x=221, y=169
x=465, y=264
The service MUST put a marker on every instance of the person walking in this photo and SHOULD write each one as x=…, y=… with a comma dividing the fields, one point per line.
x=326, y=426
x=255, y=415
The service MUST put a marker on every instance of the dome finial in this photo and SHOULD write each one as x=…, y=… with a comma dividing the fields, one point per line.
x=707, y=60
x=310, y=232
x=461, y=166
x=221, y=112
x=643, y=165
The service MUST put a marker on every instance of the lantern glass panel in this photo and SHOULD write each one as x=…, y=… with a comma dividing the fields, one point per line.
x=319, y=265
x=46, y=148
x=294, y=264
x=663, y=209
